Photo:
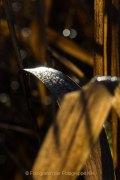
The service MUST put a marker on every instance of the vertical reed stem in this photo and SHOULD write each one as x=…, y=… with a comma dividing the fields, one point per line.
x=101, y=152
x=98, y=36
x=115, y=71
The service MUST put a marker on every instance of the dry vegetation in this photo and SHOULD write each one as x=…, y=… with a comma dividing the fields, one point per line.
x=53, y=126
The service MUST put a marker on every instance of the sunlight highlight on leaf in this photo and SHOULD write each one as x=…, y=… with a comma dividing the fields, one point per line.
x=57, y=82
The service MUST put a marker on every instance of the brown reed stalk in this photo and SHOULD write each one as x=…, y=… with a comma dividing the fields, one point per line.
x=115, y=71
x=100, y=68
x=98, y=36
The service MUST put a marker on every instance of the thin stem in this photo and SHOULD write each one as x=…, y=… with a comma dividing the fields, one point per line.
x=17, y=129
x=23, y=79
x=9, y=15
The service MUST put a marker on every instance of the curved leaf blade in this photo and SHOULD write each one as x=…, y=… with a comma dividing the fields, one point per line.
x=57, y=82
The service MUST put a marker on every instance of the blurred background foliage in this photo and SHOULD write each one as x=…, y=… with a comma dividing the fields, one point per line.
x=39, y=27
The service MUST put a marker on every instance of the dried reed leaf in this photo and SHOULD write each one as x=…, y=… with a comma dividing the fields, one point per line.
x=116, y=100
x=36, y=41
x=69, y=47
x=67, y=63
x=48, y=5
x=70, y=139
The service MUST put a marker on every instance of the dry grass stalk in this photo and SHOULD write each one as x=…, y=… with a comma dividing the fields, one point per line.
x=116, y=126
x=67, y=63
x=115, y=71
x=100, y=68
x=98, y=34
x=69, y=47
